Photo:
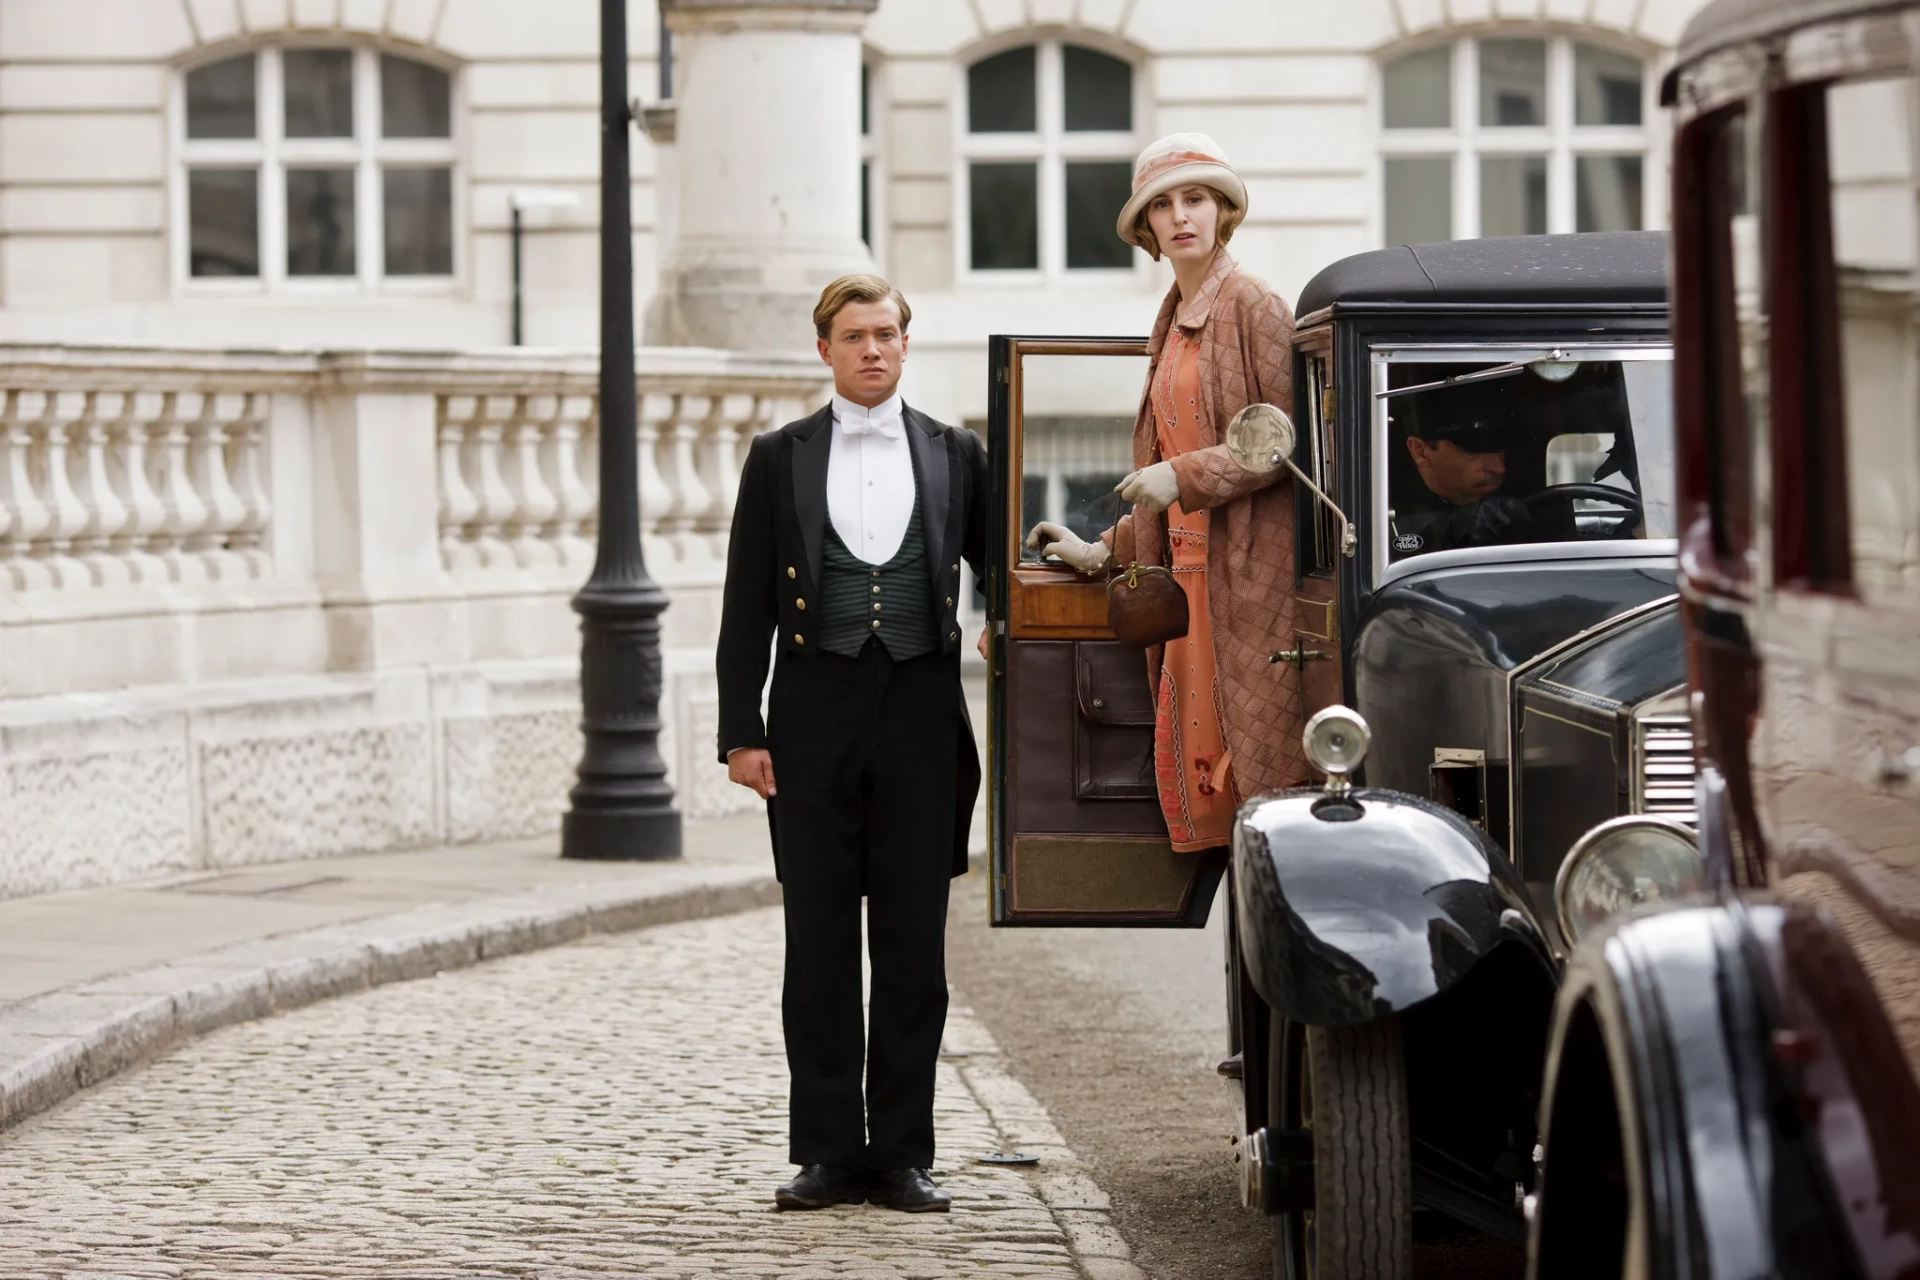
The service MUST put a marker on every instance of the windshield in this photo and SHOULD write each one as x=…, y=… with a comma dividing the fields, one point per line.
x=1568, y=449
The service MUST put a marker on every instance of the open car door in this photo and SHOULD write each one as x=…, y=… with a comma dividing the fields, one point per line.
x=1077, y=837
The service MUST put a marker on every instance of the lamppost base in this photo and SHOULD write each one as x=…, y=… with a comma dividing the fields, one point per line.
x=621, y=835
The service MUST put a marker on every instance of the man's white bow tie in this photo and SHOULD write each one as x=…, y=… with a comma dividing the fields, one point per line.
x=889, y=427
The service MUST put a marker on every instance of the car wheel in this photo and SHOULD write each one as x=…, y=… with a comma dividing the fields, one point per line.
x=1346, y=1089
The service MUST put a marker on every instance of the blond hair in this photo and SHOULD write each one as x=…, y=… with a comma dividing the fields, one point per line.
x=1231, y=216
x=860, y=287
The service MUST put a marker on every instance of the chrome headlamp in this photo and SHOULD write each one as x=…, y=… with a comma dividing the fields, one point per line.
x=1336, y=741
x=1621, y=864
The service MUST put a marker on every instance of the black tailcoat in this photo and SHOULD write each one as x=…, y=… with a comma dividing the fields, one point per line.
x=773, y=567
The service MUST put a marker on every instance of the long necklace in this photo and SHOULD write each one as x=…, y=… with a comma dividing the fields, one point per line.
x=1172, y=415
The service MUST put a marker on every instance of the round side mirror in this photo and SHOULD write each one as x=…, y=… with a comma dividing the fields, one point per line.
x=1260, y=438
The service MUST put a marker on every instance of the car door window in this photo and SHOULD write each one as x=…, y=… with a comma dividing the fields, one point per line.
x=1076, y=439
x=1871, y=142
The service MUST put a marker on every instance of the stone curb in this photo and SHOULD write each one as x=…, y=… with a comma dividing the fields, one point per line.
x=55, y=1045
x=1078, y=1205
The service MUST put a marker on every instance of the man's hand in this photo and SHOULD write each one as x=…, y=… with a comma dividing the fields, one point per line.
x=752, y=767
x=1501, y=518
x=1156, y=487
x=982, y=646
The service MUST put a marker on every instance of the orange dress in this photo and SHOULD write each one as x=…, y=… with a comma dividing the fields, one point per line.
x=1191, y=764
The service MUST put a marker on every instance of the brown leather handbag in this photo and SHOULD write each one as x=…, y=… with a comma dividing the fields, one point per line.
x=1145, y=605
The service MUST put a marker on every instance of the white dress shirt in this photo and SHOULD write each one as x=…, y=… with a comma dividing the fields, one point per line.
x=870, y=492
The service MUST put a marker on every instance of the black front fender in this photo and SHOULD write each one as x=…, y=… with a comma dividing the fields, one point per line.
x=1354, y=908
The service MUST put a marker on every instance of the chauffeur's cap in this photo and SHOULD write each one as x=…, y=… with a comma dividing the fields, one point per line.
x=1484, y=433
x=1478, y=417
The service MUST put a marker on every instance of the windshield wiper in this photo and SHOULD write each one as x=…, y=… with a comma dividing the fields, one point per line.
x=1559, y=361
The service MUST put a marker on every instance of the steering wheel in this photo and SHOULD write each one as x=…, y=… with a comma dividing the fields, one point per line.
x=1623, y=498
x=1633, y=511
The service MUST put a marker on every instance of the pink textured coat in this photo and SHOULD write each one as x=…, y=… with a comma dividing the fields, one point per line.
x=1245, y=332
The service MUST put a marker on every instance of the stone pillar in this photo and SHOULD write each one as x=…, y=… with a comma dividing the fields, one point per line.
x=768, y=95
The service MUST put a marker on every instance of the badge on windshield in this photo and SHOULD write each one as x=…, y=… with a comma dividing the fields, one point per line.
x=1408, y=542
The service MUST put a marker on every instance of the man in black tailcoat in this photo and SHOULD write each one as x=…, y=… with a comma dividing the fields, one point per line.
x=847, y=540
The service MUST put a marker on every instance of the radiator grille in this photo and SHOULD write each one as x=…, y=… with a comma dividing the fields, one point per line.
x=1666, y=767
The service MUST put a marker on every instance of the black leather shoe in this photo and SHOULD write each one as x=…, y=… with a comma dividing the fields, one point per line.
x=818, y=1186
x=909, y=1190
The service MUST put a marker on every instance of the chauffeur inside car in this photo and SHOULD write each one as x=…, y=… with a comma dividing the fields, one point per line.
x=1455, y=499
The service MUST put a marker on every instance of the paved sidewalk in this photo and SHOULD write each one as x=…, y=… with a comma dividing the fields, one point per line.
x=96, y=980
x=615, y=1107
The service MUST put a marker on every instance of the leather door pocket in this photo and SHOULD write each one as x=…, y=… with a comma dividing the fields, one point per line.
x=1112, y=723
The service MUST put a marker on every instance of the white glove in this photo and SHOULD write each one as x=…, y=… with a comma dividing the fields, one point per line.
x=1156, y=487
x=1051, y=539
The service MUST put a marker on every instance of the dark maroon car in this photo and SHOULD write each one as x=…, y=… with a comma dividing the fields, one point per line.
x=1731, y=1084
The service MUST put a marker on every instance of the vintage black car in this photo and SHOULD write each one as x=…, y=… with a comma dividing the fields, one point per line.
x=1494, y=656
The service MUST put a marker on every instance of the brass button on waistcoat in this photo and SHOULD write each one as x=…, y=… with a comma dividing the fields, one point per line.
x=790, y=572
x=801, y=604
x=798, y=638
x=876, y=624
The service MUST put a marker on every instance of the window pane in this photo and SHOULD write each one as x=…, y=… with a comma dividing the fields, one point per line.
x=1419, y=199
x=1099, y=91
x=419, y=221
x=1096, y=192
x=1607, y=191
x=320, y=222
x=1513, y=195
x=1417, y=90
x=319, y=92
x=1080, y=447
x=1513, y=83
x=866, y=203
x=866, y=99
x=1505, y=441
x=1000, y=93
x=1606, y=86
x=414, y=99
x=223, y=213
x=1869, y=137
x=220, y=99
x=1004, y=203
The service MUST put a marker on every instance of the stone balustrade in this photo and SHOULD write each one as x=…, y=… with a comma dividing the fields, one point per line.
x=267, y=604
x=518, y=477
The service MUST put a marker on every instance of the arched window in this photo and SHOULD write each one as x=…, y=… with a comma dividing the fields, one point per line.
x=1049, y=146
x=305, y=164
x=1514, y=135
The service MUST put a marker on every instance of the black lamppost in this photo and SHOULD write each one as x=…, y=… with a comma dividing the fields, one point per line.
x=621, y=807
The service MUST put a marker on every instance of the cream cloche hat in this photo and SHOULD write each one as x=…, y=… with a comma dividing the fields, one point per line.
x=1177, y=160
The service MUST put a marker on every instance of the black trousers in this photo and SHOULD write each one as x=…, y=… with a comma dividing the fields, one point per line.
x=863, y=766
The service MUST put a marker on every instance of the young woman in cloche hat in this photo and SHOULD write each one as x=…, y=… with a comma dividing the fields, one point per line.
x=1225, y=726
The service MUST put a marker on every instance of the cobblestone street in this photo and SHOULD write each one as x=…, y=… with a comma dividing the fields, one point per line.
x=613, y=1107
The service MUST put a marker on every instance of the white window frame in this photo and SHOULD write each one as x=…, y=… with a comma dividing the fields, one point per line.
x=1052, y=147
x=872, y=157
x=270, y=153
x=1559, y=140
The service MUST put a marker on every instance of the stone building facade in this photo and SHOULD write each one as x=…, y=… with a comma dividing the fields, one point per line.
x=287, y=526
